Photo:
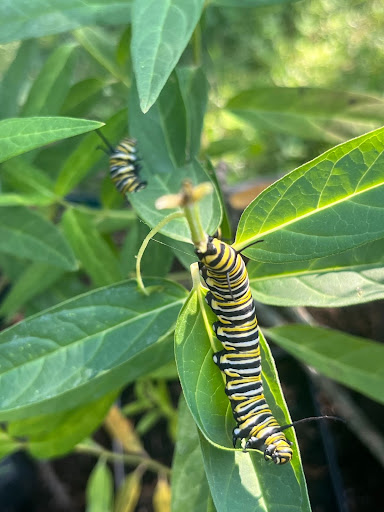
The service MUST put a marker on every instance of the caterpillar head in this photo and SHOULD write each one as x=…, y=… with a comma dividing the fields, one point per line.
x=279, y=451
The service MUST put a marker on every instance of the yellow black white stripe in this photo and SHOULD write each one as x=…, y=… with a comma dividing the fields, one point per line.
x=230, y=298
x=124, y=167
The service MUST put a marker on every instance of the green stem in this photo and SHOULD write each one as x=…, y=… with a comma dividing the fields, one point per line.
x=146, y=240
x=197, y=45
x=192, y=214
x=129, y=459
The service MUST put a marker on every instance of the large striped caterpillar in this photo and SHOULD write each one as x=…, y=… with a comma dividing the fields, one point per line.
x=229, y=297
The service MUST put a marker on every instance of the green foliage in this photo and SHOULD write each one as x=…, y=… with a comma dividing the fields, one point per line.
x=179, y=77
x=161, y=31
x=327, y=206
x=356, y=362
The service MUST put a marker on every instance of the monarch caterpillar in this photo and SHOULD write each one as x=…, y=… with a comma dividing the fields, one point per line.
x=230, y=298
x=123, y=165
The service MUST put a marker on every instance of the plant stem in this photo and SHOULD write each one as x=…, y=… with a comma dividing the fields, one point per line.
x=129, y=459
x=146, y=240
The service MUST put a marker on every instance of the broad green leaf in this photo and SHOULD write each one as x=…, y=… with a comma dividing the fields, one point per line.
x=162, y=132
x=53, y=435
x=95, y=255
x=20, y=175
x=86, y=347
x=80, y=162
x=26, y=200
x=36, y=278
x=18, y=136
x=7, y=445
x=97, y=42
x=81, y=96
x=66, y=288
x=22, y=20
x=161, y=184
x=194, y=90
x=249, y=3
x=26, y=234
x=190, y=491
x=100, y=489
x=317, y=114
x=329, y=205
x=203, y=388
x=350, y=277
x=160, y=32
x=13, y=81
x=355, y=362
x=238, y=482
x=52, y=83
x=12, y=267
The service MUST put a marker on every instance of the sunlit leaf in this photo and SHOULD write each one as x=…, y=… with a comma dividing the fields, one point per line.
x=329, y=205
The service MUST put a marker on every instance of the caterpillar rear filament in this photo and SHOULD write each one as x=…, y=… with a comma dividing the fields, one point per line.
x=230, y=298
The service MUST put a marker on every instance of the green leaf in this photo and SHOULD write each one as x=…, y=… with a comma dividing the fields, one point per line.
x=160, y=32
x=203, y=388
x=238, y=482
x=18, y=136
x=160, y=184
x=53, y=435
x=356, y=362
x=24, y=233
x=20, y=175
x=11, y=86
x=22, y=20
x=81, y=96
x=100, y=489
x=85, y=347
x=80, y=162
x=317, y=114
x=36, y=278
x=52, y=83
x=162, y=132
x=157, y=258
x=7, y=445
x=329, y=205
x=194, y=90
x=26, y=200
x=190, y=491
x=97, y=42
x=95, y=255
x=350, y=277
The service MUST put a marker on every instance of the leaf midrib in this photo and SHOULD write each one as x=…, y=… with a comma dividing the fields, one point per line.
x=84, y=339
x=239, y=246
